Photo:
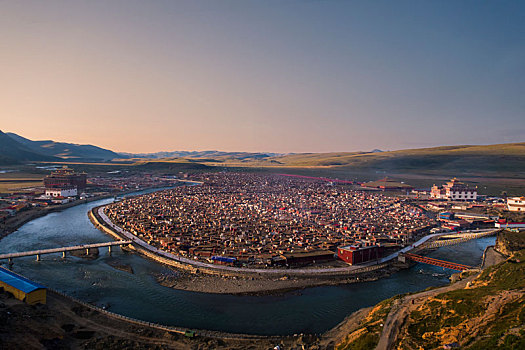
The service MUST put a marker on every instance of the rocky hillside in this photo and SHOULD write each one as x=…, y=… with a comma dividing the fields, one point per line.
x=483, y=311
x=489, y=313
x=509, y=242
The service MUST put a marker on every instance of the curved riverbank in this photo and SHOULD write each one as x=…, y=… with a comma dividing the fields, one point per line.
x=68, y=323
x=14, y=223
x=139, y=296
x=208, y=278
x=197, y=276
x=75, y=323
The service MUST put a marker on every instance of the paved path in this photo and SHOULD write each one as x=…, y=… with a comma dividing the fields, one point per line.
x=304, y=272
x=401, y=309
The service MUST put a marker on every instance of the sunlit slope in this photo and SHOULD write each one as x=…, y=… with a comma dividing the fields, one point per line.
x=13, y=152
x=512, y=152
x=503, y=159
x=488, y=312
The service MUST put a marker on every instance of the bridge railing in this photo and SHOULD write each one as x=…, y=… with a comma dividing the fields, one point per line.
x=437, y=262
x=464, y=237
x=62, y=249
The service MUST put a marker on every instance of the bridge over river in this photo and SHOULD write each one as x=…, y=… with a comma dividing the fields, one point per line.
x=442, y=240
x=62, y=250
x=140, y=296
x=436, y=262
x=455, y=238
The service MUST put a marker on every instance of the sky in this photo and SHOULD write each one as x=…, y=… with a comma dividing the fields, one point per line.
x=263, y=76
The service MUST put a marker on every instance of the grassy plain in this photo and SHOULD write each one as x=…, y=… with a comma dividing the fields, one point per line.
x=507, y=158
x=493, y=168
x=10, y=186
x=16, y=180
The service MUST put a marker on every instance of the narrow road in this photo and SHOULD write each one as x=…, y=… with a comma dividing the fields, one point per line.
x=402, y=308
x=302, y=272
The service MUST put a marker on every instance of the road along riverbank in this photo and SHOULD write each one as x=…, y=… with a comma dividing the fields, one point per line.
x=139, y=296
x=66, y=322
x=14, y=223
x=190, y=275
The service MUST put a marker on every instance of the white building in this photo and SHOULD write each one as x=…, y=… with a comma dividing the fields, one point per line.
x=518, y=225
x=454, y=190
x=516, y=204
x=61, y=192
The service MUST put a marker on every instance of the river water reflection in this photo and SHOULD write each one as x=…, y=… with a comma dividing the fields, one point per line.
x=137, y=295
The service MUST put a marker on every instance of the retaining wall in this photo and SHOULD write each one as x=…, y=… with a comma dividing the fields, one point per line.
x=316, y=273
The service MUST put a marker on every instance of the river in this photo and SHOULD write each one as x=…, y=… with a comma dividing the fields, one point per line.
x=313, y=310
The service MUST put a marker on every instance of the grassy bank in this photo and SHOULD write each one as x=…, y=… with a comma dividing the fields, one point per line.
x=485, y=311
x=488, y=314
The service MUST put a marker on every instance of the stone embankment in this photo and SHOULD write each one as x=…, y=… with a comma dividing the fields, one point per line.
x=213, y=279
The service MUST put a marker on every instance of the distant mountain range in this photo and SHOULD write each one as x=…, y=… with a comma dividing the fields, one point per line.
x=203, y=155
x=15, y=148
x=12, y=152
x=508, y=158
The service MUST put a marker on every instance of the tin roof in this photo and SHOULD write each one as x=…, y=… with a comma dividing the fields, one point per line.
x=223, y=259
x=19, y=282
x=357, y=247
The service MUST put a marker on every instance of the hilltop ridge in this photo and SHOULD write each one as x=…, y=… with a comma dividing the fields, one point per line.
x=494, y=160
x=64, y=150
x=500, y=160
x=13, y=152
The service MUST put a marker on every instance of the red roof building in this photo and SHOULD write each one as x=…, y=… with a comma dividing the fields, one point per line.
x=354, y=254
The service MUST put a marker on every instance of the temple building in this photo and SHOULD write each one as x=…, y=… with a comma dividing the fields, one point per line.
x=65, y=178
x=454, y=190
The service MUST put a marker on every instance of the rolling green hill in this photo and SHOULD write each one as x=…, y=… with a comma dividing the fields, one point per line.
x=494, y=159
x=463, y=156
x=501, y=160
x=488, y=312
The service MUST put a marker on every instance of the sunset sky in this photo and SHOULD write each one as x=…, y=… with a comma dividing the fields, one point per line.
x=272, y=75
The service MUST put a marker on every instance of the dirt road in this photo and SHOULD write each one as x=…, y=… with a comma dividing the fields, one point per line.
x=401, y=308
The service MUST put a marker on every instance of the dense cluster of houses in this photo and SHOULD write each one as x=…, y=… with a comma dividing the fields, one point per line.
x=64, y=185
x=258, y=219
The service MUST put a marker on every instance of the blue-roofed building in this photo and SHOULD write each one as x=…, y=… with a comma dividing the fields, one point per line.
x=22, y=288
x=223, y=260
